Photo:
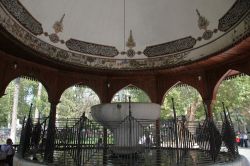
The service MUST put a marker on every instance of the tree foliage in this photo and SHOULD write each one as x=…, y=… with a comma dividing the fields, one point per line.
x=184, y=96
x=235, y=93
x=78, y=99
x=75, y=101
x=27, y=95
x=136, y=95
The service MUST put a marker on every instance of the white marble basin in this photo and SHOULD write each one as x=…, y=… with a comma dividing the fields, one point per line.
x=108, y=113
x=127, y=131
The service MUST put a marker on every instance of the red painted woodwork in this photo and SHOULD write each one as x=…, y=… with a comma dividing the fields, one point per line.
x=204, y=75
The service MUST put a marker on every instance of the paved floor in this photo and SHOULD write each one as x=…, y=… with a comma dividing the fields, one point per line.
x=245, y=152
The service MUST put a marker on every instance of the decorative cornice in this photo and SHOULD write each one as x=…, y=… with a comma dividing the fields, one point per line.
x=233, y=15
x=91, y=48
x=18, y=11
x=170, y=47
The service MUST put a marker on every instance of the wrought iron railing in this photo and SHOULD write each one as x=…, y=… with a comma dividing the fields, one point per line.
x=131, y=142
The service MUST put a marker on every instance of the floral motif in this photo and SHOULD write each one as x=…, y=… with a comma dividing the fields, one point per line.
x=131, y=53
x=203, y=25
x=54, y=38
x=202, y=21
x=130, y=43
x=207, y=35
x=58, y=27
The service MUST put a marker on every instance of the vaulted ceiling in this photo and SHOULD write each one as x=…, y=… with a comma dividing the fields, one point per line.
x=126, y=34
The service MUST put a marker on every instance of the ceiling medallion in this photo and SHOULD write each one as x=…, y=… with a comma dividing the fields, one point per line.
x=203, y=25
x=131, y=44
x=58, y=27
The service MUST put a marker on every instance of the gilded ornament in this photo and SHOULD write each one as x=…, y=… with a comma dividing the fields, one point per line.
x=202, y=21
x=130, y=43
x=58, y=25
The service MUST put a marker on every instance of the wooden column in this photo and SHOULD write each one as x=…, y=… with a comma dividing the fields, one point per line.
x=50, y=140
x=2, y=75
x=209, y=104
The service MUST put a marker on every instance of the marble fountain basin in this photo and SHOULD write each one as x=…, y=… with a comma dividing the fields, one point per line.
x=127, y=132
x=108, y=113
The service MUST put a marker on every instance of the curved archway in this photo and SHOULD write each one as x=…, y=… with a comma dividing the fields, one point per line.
x=28, y=75
x=187, y=101
x=15, y=104
x=136, y=94
x=234, y=92
x=77, y=100
x=229, y=73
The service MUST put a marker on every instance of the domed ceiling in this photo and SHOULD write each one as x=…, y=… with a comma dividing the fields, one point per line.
x=126, y=34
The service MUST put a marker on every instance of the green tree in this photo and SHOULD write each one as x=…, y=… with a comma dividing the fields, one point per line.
x=27, y=95
x=235, y=93
x=75, y=101
x=136, y=94
x=187, y=102
x=6, y=103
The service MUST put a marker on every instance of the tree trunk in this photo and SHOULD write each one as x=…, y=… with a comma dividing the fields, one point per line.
x=39, y=92
x=192, y=110
x=14, y=110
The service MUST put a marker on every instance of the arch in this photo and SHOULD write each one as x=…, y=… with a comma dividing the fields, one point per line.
x=174, y=85
x=79, y=83
x=37, y=78
x=186, y=105
x=29, y=93
x=77, y=106
x=228, y=73
x=29, y=78
x=234, y=94
x=132, y=86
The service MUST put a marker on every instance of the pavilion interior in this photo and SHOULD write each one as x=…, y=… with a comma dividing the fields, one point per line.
x=116, y=43
x=108, y=45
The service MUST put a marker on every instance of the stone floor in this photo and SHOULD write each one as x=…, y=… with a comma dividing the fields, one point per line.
x=245, y=152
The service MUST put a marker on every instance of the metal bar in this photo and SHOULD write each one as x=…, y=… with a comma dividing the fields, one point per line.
x=175, y=124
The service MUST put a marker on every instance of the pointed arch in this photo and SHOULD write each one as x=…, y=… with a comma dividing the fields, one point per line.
x=187, y=101
x=176, y=84
x=67, y=86
x=26, y=76
x=228, y=73
x=76, y=100
x=79, y=85
x=128, y=91
x=233, y=90
x=28, y=94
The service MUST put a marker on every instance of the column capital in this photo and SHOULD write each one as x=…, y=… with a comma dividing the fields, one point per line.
x=208, y=101
x=209, y=104
x=54, y=102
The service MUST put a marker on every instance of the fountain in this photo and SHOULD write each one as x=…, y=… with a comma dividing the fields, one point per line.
x=127, y=122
